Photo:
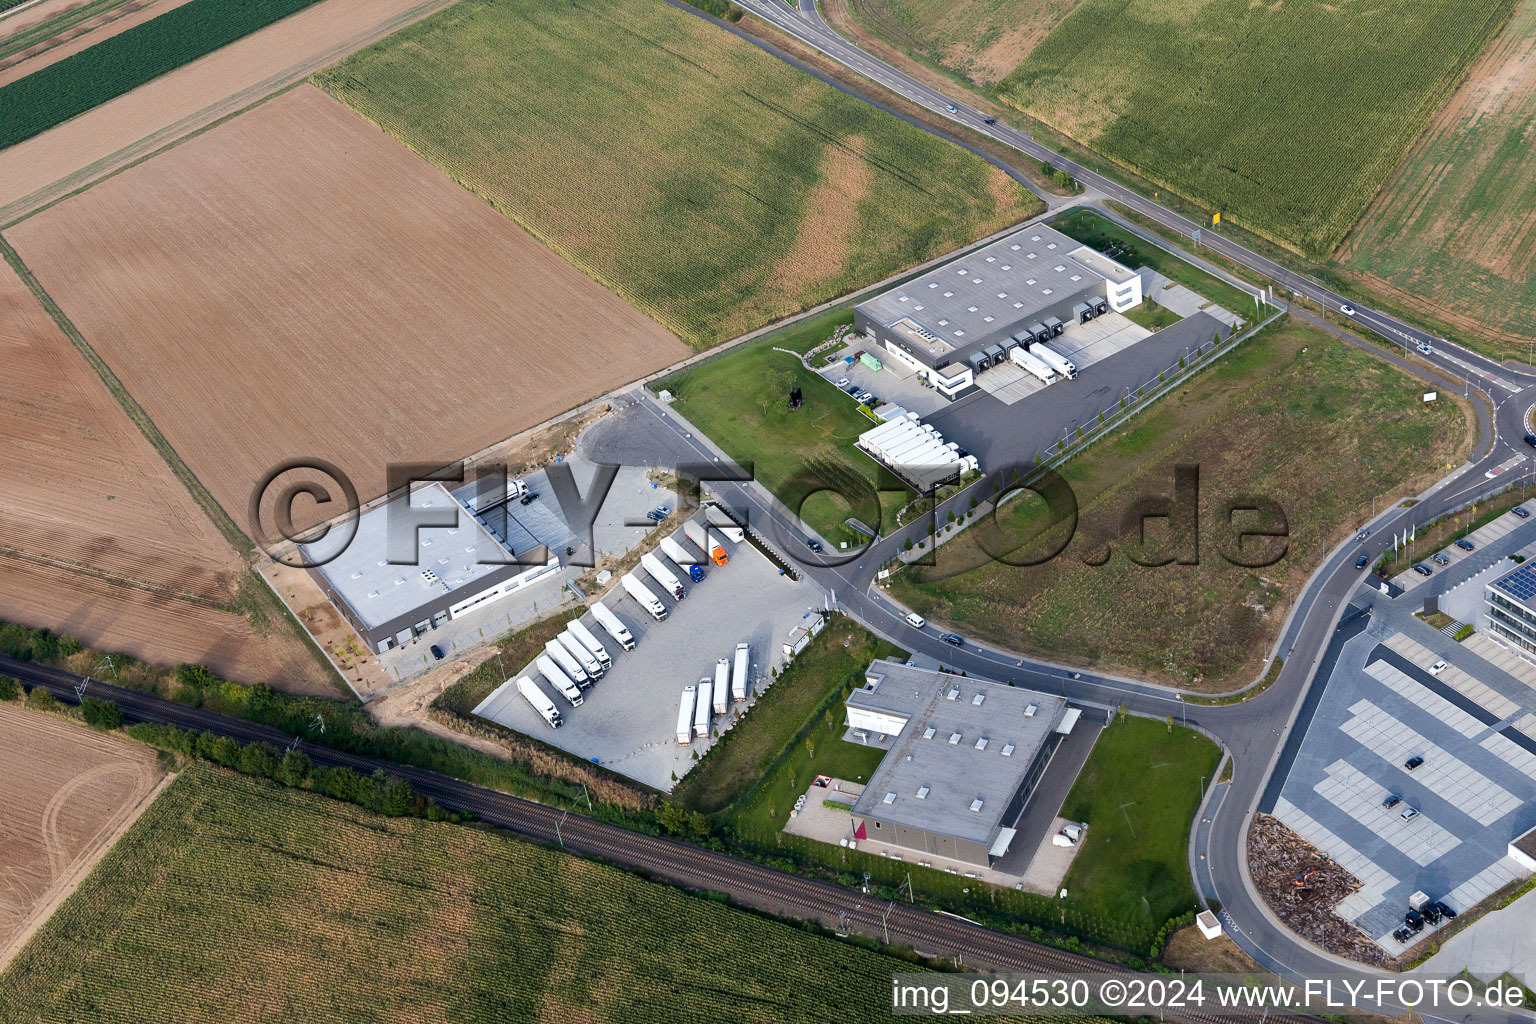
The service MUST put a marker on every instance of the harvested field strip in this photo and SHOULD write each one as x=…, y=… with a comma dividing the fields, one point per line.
x=676, y=163
x=72, y=86
x=344, y=914
x=48, y=27
x=62, y=40
x=1296, y=117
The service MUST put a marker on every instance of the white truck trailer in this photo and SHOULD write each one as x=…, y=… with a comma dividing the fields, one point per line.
x=578, y=650
x=702, y=709
x=591, y=643
x=558, y=679
x=680, y=554
x=724, y=524
x=685, y=716
x=658, y=571
x=722, y=687
x=707, y=544
x=556, y=650
x=613, y=626
x=739, y=672
x=640, y=592
x=1033, y=364
x=1055, y=360
x=542, y=704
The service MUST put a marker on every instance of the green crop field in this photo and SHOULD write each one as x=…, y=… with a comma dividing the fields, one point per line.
x=234, y=900
x=1138, y=793
x=1291, y=406
x=53, y=94
x=1455, y=228
x=1285, y=117
x=981, y=39
x=710, y=184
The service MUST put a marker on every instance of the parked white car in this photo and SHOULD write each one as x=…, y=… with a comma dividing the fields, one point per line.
x=1069, y=835
x=1437, y=668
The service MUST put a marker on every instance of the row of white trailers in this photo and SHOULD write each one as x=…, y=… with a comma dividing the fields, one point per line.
x=570, y=664
x=713, y=695
x=905, y=441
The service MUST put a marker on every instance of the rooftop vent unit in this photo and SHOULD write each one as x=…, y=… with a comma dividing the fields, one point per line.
x=1007, y=749
x=954, y=738
x=981, y=744
x=928, y=733
x=429, y=575
x=952, y=694
x=890, y=798
x=976, y=700
x=976, y=804
x=922, y=792
x=1029, y=712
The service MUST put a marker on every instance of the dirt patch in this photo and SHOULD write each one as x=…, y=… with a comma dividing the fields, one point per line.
x=79, y=36
x=29, y=15
x=69, y=791
x=327, y=294
x=826, y=227
x=1276, y=858
x=1188, y=950
x=132, y=126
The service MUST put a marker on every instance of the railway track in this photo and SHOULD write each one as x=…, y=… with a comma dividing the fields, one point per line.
x=752, y=884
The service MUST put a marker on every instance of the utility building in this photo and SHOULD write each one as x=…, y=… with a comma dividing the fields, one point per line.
x=966, y=316
x=964, y=757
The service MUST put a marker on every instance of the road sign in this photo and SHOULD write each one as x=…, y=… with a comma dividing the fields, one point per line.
x=1195, y=235
x=1215, y=218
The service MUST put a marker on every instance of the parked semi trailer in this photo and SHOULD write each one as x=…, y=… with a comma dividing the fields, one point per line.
x=556, y=650
x=739, y=673
x=636, y=589
x=614, y=626
x=1033, y=364
x=707, y=544
x=558, y=678
x=591, y=643
x=657, y=571
x=702, y=709
x=686, y=560
x=578, y=650
x=685, y=716
x=722, y=687
x=542, y=704
x=722, y=523
x=1055, y=360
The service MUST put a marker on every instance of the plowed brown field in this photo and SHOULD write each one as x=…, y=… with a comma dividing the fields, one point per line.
x=69, y=790
x=132, y=126
x=97, y=538
x=296, y=283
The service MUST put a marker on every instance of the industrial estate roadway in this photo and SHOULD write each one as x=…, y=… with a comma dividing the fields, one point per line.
x=1253, y=731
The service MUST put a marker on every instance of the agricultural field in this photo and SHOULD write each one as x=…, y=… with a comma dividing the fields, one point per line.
x=1291, y=404
x=1138, y=792
x=320, y=251
x=339, y=913
x=69, y=790
x=710, y=184
x=97, y=538
x=1286, y=117
x=25, y=50
x=97, y=143
x=982, y=40
x=1454, y=231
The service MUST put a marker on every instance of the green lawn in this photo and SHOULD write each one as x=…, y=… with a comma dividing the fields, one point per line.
x=709, y=183
x=1293, y=415
x=235, y=900
x=1286, y=117
x=1138, y=793
x=1092, y=229
x=1151, y=316
x=807, y=693
x=740, y=400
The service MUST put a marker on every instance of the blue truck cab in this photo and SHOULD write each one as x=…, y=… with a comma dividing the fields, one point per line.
x=696, y=573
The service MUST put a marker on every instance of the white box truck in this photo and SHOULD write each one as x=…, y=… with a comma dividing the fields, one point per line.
x=739, y=672
x=578, y=650
x=542, y=704
x=580, y=631
x=1055, y=360
x=1033, y=364
x=555, y=649
x=613, y=626
x=661, y=574
x=640, y=592
x=722, y=687
x=685, y=716
x=680, y=554
x=724, y=524
x=558, y=679
x=702, y=709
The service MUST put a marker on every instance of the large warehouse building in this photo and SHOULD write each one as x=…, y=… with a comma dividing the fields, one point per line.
x=958, y=319
x=964, y=757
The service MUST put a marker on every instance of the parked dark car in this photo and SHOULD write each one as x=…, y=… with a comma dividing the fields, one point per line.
x=1441, y=559
x=1391, y=801
x=1422, y=569
x=1413, y=762
x=1530, y=439
x=1445, y=910
x=1522, y=513
x=528, y=498
x=437, y=652
x=1466, y=545
x=953, y=639
x=1362, y=561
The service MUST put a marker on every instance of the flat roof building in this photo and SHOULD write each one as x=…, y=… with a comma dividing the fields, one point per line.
x=444, y=572
x=1024, y=287
x=965, y=756
x=1512, y=608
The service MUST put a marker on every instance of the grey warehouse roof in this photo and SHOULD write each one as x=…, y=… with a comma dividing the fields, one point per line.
x=937, y=752
x=991, y=289
x=1519, y=584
